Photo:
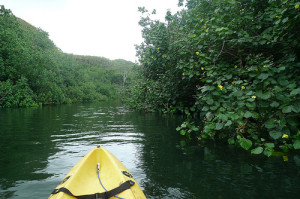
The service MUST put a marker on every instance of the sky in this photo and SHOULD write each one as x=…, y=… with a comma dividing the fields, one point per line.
x=106, y=28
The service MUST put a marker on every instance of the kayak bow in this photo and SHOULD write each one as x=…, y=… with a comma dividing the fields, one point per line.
x=98, y=175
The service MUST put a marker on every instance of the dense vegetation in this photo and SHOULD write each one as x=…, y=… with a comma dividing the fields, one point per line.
x=231, y=66
x=33, y=71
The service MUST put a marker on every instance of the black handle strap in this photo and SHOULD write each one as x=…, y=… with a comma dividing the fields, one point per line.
x=104, y=195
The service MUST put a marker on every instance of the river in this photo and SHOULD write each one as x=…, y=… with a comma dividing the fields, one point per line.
x=38, y=146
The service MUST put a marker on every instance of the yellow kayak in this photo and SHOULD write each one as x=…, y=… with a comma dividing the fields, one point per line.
x=98, y=175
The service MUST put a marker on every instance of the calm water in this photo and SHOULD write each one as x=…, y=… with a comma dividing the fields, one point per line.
x=39, y=146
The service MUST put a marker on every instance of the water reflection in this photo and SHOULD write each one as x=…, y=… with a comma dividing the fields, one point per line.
x=39, y=146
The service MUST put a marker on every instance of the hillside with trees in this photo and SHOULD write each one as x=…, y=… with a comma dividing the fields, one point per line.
x=231, y=67
x=33, y=71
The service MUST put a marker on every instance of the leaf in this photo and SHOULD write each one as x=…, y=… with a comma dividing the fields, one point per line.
x=292, y=121
x=207, y=88
x=255, y=115
x=257, y=150
x=263, y=76
x=231, y=141
x=245, y=143
x=209, y=116
x=205, y=108
x=228, y=76
x=210, y=101
x=248, y=114
x=270, y=145
x=182, y=132
x=262, y=95
x=223, y=117
x=219, y=126
x=270, y=124
x=296, y=109
x=295, y=92
x=274, y=104
x=228, y=123
x=296, y=144
x=282, y=68
x=262, y=42
x=213, y=108
x=275, y=134
x=251, y=105
x=268, y=153
x=287, y=109
x=235, y=116
x=284, y=82
x=285, y=20
x=250, y=93
x=193, y=128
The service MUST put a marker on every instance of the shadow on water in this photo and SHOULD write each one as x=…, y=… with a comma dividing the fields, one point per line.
x=179, y=169
x=40, y=145
x=25, y=145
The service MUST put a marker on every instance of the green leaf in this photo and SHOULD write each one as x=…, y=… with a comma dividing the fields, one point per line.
x=284, y=82
x=213, y=108
x=209, y=116
x=285, y=20
x=251, y=105
x=257, y=150
x=295, y=92
x=274, y=104
x=296, y=144
x=250, y=93
x=287, y=109
x=228, y=123
x=182, y=132
x=270, y=124
x=194, y=128
x=228, y=76
x=235, y=116
x=296, y=109
x=255, y=115
x=219, y=126
x=250, y=100
x=270, y=145
x=210, y=101
x=223, y=117
x=207, y=88
x=248, y=114
x=267, y=153
x=205, y=108
x=231, y=141
x=245, y=143
x=275, y=134
x=262, y=95
x=263, y=76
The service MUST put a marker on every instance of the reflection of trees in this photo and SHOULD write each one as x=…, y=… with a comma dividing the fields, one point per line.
x=26, y=142
x=178, y=169
x=174, y=168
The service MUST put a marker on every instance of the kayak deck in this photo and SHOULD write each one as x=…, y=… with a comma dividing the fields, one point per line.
x=83, y=178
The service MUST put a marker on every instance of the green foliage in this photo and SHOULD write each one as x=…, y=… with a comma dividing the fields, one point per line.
x=257, y=150
x=16, y=95
x=234, y=63
x=34, y=71
x=187, y=128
